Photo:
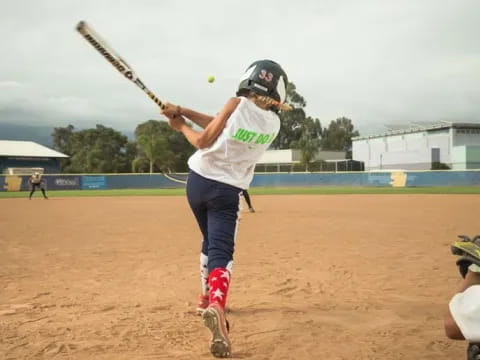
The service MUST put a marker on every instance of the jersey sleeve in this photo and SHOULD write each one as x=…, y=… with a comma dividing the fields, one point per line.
x=465, y=310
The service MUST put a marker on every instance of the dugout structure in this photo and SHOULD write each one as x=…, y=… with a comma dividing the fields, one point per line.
x=26, y=157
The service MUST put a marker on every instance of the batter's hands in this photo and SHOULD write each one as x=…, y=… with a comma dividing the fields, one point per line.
x=171, y=110
x=176, y=122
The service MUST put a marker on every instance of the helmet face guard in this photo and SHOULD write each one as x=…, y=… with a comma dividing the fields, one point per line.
x=266, y=78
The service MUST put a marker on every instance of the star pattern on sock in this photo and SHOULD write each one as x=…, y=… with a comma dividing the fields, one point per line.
x=218, y=294
x=219, y=280
x=225, y=275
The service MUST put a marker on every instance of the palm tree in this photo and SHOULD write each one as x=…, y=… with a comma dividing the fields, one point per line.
x=154, y=147
x=308, y=146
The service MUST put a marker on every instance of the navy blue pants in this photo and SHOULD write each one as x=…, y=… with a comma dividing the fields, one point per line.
x=215, y=206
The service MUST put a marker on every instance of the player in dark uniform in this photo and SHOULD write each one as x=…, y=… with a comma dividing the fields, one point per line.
x=246, y=196
x=37, y=181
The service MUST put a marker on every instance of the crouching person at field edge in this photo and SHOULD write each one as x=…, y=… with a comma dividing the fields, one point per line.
x=462, y=321
x=36, y=181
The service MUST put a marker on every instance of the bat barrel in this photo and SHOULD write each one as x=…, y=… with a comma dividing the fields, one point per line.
x=113, y=58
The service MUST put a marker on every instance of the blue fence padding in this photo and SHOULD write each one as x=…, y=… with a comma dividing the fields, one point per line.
x=443, y=178
x=56, y=182
x=143, y=181
x=322, y=179
x=77, y=182
x=25, y=186
x=159, y=181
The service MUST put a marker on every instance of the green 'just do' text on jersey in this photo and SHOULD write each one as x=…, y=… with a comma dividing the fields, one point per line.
x=231, y=159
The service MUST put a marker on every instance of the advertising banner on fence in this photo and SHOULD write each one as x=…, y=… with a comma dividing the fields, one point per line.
x=94, y=182
x=62, y=182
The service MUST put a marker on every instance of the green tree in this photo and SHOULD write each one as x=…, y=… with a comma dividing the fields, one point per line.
x=63, y=142
x=97, y=150
x=294, y=123
x=309, y=147
x=160, y=148
x=338, y=135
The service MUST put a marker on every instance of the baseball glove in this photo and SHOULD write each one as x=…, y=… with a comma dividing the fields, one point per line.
x=473, y=352
x=469, y=252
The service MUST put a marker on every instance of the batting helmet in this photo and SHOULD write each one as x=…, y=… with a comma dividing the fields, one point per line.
x=266, y=78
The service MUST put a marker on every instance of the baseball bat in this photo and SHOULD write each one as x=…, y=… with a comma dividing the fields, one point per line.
x=122, y=66
x=281, y=106
x=113, y=58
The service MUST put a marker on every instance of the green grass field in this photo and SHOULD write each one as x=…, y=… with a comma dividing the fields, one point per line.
x=323, y=190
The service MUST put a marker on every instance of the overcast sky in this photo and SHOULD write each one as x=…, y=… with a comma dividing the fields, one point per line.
x=375, y=61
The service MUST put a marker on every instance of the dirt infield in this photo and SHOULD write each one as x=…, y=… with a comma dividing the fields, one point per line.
x=315, y=277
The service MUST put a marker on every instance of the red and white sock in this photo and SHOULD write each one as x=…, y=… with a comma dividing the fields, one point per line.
x=204, y=273
x=218, y=281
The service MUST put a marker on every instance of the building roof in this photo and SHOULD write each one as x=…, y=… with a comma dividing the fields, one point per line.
x=413, y=128
x=286, y=156
x=277, y=156
x=27, y=149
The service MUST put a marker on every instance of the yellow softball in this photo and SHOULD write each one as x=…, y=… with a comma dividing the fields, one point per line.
x=211, y=79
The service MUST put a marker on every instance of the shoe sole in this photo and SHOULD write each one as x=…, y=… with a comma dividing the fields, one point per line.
x=200, y=311
x=220, y=344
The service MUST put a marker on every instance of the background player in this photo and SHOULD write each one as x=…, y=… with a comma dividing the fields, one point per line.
x=246, y=196
x=35, y=181
x=462, y=321
x=229, y=146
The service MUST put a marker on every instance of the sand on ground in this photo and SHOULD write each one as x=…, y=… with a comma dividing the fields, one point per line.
x=315, y=277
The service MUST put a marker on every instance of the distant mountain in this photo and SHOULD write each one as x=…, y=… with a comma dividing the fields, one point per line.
x=39, y=134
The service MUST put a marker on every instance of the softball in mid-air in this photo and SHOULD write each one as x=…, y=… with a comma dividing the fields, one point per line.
x=211, y=79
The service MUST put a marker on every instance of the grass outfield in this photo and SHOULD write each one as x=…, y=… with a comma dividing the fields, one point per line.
x=321, y=190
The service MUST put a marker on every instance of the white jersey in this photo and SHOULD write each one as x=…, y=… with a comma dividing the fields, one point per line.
x=231, y=159
x=465, y=310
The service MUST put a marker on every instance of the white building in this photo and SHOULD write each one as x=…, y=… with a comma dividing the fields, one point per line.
x=454, y=144
x=282, y=160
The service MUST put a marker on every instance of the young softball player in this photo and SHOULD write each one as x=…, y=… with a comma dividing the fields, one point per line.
x=229, y=145
x=37, y=181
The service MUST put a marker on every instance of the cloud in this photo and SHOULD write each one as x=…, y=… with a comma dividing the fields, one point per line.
x=376, y=62
x=9, y=84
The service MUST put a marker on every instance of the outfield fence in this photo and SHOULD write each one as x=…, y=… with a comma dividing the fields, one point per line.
x=396, y=178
